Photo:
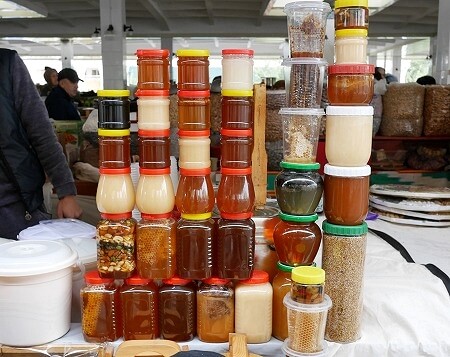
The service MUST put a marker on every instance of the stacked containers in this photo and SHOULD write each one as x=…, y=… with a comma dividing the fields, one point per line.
x=346, y=184
x=236, y=196
x=155, y=197
x=299, y=186
x=195, y=193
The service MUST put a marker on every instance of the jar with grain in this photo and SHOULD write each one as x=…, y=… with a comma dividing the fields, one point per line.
x=195, y=192
x=177, y=309
x=298, y=188
x=237, y=109
x=350, y=46
x=236, y=148
x=346, y=194
x=194, y=110
x=155, y=246
x=193, y=69
x=153, y=109
x=236, y=234
x=237, y=69
x=115, y=191
x=343, y=258
x=253, y=307
x=113, y=109
x=100, y=309
x=297, y=239
x=351, y=14
x=116, y=236
x=342, y=149
x=215, y=310
x=153, y=69
x=139, y=302
x=281, y=286
x=114, y=148
x=154, y=148
x=194, y=149
x=307, y=284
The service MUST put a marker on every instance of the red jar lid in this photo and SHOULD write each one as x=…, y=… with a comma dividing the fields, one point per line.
x=351, y=69
x=176, y=281
x=152, y=216
x=195, y=172
x=193, y=133
x=152, y=53
x=237, y=51
x=216, y=281
x=152, y=93
x=154, y=133
x=232, y=171
x=236, y=216
x=116, y=216
x=236, y=132
x=258, y=277
x=137, y=280
x=108, y=171
x=154, y=172
x=194, y=93
x=92, y=277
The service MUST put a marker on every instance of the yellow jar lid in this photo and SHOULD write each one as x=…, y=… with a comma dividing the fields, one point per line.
x=192, y=53
x=196, y=217
x=308, y=275
x=113, y=93
x=113, y=132
x=351, y=33
x=351, y=3
x=237, y=93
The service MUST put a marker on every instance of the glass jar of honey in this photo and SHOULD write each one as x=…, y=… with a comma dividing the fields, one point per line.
x=237, y=109
x=237, y=69
x=194, y=149
x=351, y=14
x=193, y=69
x=100, y=309
x=194, y=110
x=154, y=149
x=116, y=237
x=215, y=310
x=281, y=286
x=350, y=46
x=115, y=191
x=346, y=194
x=153, y=109
x=236, y=148
x=297, y=239
x=113, y=109
x=114, y=148
x=236, y=193
x=350, y=84
x=153, y=69
x=155, y=246
x=139, y=302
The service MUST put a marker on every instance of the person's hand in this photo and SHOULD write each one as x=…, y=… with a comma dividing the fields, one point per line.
x=68, y=208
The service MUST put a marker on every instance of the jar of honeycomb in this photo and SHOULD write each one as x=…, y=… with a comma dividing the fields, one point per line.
x=307, y=284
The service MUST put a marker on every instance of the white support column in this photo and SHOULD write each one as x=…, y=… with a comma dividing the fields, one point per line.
x=397, y=62
x=167, y=43
x=441, y=65
x=66, y=53
x=112, y=12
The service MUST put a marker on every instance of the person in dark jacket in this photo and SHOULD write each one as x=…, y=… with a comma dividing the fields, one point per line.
x=59, y=102
x=29, y=150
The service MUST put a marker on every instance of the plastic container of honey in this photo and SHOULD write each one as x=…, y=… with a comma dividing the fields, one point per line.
x=154, y=149
x=237, y=109
x=115, y=191
x=194, y=110
x=113, y=109
x=193, y=69
x=236, y=148
x=114, y=148
x=237, y=69
x=194, y=149
x=153, y=69
x=153, y=109
x=350, y=46
x=351, y=14
x=307, y=284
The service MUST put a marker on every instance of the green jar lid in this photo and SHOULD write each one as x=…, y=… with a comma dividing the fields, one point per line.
x=301, y=219
x=284, y=267
x=350, y=231
x=308, y=275
x=296, y=166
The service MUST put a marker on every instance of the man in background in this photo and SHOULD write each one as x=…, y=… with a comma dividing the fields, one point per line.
x=59, y=102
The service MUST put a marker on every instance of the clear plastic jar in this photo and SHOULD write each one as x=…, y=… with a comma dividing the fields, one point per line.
x=215, y=310
x=343, y=258
x=153, y=69
x=139, y=301
x=350, y=84
x=236, y=193
x=100, y=309
x=116, y=237
x=298, y=188
x=114, y=148
x=342, y=149
x=113, y=109
x=194, y=149
x=193, y=69
x=236, y=148
x=153, y=109
x=115, y=191
x=297, y=239
x=195, y=246
x=235, y=233
x=281, y=286
x=177, y=309
x=155, y=246
x=351, y=14
x=346, y=194
x=307, y=284
x=350, y=46
x=154, y=191
x=194, y=110
x=253, y=307
x=154, y=149
x=237, y=109
x=237, y=69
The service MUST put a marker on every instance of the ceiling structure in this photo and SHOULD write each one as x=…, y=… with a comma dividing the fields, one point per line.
x=209, y=24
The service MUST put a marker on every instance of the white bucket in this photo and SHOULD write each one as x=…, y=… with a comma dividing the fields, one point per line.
x=35, y=291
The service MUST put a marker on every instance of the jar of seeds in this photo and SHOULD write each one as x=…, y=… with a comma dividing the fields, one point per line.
x=343, y=256
x=307, y=284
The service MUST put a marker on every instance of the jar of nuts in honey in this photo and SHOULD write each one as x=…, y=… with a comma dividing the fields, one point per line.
x=307, y=284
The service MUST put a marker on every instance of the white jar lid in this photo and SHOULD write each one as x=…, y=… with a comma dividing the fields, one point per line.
x=344, y=171
x=302, y=111
x=349, y=110
x=27, y=258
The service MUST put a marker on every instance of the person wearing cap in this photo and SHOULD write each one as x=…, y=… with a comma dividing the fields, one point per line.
x=29, y=151
x=51, y=79
x=59, y=102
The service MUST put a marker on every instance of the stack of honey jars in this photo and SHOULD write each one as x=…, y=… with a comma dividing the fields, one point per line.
x=346, y=184
x=235, y=197
x=195, y=194
x=299, y=186
x=155, y=197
